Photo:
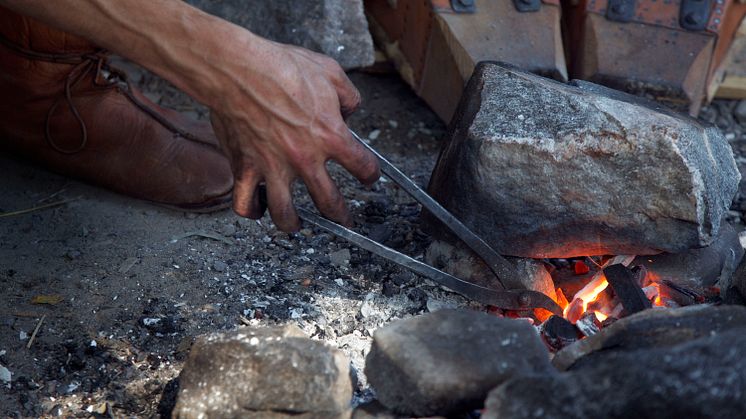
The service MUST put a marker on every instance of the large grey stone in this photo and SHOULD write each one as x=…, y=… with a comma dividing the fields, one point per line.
x=447, y=361
x=703, y=378
x=652, y=329
x=337, y=28
x=264, y=373
x=544, y=169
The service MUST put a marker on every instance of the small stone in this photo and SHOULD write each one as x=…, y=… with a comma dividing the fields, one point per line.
x=393, y=124
x=219, y=266
x=285, y=244
x=5, y=374
x=366, y=309
x=264, y=372
x=374, y=134
x=446, y=362
x=340, y=258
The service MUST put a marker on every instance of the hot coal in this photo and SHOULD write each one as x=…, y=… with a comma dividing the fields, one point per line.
x=626, y=285
x=588, y=324
x=557, y=332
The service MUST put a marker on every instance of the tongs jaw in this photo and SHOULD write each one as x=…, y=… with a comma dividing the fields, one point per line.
x=514, y=296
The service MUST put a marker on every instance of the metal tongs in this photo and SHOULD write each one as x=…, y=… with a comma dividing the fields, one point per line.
x=513, y=296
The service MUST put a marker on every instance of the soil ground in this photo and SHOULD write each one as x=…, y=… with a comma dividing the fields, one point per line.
x=136, y=283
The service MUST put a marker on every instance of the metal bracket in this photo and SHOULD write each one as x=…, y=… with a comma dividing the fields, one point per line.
x=694, y=14
x=620, y=10
x=464, y=6
x=524, y=6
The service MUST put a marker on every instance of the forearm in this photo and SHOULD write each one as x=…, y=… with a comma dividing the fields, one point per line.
x=176, y=41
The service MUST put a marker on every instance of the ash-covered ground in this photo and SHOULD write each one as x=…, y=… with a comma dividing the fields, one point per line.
x=128, y=285
x=137, y=283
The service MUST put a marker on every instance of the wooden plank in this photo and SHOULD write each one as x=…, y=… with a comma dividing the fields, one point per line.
x=436, y=51
x=730, y=80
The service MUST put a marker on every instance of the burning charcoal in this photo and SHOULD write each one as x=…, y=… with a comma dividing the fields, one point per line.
x=653, y=328
x=522, y=146
x=651, y=292
x=575, y=310
x=580, y=268
x=604, y=301
x=641, y=275
x=264, y=372
x=616, y=312
x=679, y=294
x=558, y=332
x=626, y=286
x=588, y=324
x=561, y=299
x=702, y=378
x=447, y=361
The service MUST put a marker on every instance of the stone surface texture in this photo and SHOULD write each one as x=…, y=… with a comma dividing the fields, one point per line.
x=337, y=28
x=447, y=361
x=543, y=169
x=652, y=329
x=699, y=268
x=702, y=378
x=464, y=264
x=264, y=373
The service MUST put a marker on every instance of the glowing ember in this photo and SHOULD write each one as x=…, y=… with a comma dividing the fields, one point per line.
x=590, y=293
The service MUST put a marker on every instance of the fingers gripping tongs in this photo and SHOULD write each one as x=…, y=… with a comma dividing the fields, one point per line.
x=514, y=296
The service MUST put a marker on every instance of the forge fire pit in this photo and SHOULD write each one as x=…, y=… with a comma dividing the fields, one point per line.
x=542, y=169
x=611, y=207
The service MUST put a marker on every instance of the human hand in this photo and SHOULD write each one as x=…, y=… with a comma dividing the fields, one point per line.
x=282, y=119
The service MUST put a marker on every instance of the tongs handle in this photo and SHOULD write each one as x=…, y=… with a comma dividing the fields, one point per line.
x=501, y=267
x=507, y=300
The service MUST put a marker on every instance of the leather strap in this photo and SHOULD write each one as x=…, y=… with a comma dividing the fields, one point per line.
x=85, y=63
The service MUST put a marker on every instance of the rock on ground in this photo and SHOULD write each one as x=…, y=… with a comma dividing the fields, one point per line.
x=543, y=169
x=337, y=28
x=447, y=361
x=697, y=269
x=465, y=264
x=703, y=378
x=264, y=373
x=651, y=329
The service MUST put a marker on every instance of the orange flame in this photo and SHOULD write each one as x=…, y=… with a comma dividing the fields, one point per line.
x=589, y=293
